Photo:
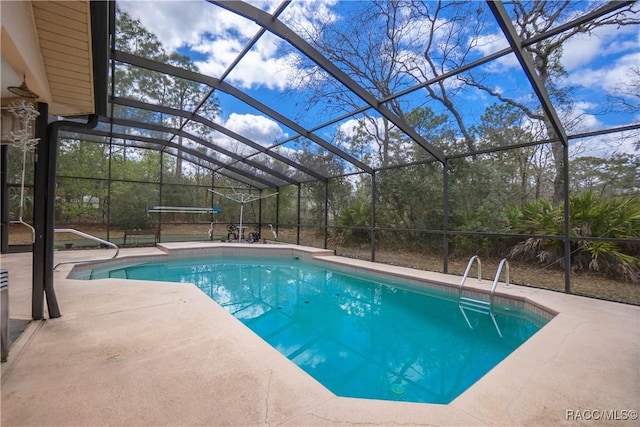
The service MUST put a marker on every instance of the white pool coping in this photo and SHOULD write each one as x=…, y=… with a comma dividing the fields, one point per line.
x=135, y=353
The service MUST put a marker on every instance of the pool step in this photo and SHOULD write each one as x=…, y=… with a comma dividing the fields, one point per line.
x=118, y=274
x=476, y=305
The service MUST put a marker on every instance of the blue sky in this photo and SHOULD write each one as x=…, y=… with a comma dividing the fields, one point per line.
x=596, y=64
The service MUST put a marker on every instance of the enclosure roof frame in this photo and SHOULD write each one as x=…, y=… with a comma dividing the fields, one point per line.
x=222, y=129
x=160, y=128
x=278, y=28
x=227, y=88
x=165, y=144
x=270, y=22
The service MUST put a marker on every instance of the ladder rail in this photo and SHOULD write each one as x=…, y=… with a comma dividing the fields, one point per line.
x=503, y=262
x=468, y=269
x=477, y=305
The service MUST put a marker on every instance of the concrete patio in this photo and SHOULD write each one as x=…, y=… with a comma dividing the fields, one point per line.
x=133, y=353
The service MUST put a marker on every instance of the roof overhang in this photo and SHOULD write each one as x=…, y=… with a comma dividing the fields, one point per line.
x=49, y=43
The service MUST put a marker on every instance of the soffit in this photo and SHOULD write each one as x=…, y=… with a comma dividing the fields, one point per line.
x=49, y=43
x=64, y=33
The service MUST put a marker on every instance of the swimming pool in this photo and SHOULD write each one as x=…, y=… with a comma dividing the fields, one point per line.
x=360, y=336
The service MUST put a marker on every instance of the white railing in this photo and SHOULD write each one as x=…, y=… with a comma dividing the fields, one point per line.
x=466, y=272
x=90, y=237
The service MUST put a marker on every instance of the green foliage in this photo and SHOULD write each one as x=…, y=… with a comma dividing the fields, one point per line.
x=14, y=205
x=129, y=204
x=615, y=175
x=287, y=208
x=356, y=215
x=590, y=216
x=158, y=88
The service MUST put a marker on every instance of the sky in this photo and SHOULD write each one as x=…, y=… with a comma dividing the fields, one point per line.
x=597, y=64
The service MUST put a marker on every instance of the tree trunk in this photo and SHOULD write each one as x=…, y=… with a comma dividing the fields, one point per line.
x=557, y=149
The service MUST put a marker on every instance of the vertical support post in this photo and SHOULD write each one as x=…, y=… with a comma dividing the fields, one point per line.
x=212, y=195
x=298, y=216
x=39, y=218
x=260, y=212
x=240, y=232
x=445, y=215
x=326, y=213
x=567, y=220
x=111, y=31
x=278, y=211
x=4, y=200
x=109, y=175
x=160, y=195
x=44, y=217
x=372, y=231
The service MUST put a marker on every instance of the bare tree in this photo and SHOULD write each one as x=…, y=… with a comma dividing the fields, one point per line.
x=388, y=46
x=627, y=93
x=378, y=45
x=538, y=17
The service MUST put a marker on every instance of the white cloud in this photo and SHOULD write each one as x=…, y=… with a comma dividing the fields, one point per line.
x=349, y=128
x=488, y=44
x=583, y=49
x=219, y=36
x=580, y=50
x=580, y=118
x=305, y=13
x=608, y=77
x=262, y=67
x=180, y=23
x=606, y=145
x=259, y=129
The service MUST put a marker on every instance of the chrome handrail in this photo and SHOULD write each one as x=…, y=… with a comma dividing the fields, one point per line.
x=478, y=305
x=90, y=237
x=466, y=272
x=503, y=262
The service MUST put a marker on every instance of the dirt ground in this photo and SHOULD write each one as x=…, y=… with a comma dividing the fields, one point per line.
x=522, y=273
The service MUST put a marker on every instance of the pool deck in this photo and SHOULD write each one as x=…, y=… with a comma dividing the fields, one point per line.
x=134, y=353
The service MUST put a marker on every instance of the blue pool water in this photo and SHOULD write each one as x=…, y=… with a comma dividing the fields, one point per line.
x=358, y=336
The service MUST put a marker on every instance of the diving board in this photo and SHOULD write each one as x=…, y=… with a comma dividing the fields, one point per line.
x=187, y=209
x=183, y=209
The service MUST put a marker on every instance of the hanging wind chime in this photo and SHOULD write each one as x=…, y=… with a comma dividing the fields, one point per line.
x=22, y=138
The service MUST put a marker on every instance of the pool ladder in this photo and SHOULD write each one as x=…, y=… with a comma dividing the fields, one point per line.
x=478, y=305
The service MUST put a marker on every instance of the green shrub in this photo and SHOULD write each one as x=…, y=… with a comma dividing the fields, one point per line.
x=590, y=216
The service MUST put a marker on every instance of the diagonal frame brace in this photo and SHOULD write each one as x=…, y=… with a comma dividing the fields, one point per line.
x=278, y=28
x=526, y=61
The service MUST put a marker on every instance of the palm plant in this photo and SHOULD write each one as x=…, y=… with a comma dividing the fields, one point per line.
x=590, y=217
x=356, y=215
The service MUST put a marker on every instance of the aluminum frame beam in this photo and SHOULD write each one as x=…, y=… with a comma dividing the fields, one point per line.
x=215, y=83
x=267, y=184
x=237, y=60
x=231, y=134
x=278, y=28
x=148, y=140
x=160, y=128
x=167, y=144
x=526, y=61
